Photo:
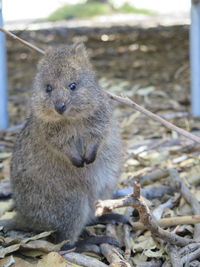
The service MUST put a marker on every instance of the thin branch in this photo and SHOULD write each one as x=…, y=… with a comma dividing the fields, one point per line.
x=154, y=176
x=189, y=197
x=127, y=233
x=189, y=249
x=83, y=260
x=145, y=216
x=33, y=47
x=130, y=103
x=122, y=100
x=173, y=255
x=172, y=221
x=113, y=256
x=190, y=257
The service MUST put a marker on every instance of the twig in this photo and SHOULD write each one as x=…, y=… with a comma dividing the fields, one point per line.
x=33, y=47
x=145, y=216
x=111, y=231
x=130, y=103
x=167, y=222
x=149, y=192
x=171, y=202
x=122, y=100
x=190, y=257
x=113, y=256
x=180, y=69
x=127, y=233
x=174, y=256
x=83, y=260
x=189, y=197
x=189, y=248
x=153, y=176
x=127, y=240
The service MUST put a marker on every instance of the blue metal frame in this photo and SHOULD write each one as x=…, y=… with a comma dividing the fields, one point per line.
x=195, y=57
x=3, y=78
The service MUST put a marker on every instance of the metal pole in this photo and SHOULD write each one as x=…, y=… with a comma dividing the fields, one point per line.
x=195, y=56
x=3, y=78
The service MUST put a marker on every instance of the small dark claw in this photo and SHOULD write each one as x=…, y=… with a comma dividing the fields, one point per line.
x=91, y=153
x=91, y=158
x=78, y=162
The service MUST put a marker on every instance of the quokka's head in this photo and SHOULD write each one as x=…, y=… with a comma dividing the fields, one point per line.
x=65, y=86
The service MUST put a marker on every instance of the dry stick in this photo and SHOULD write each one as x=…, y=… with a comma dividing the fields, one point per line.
x=111, y=231
x=127, y=240
x=113, y=257
x=153, y=176
x=122, y=100
x=167, y=222
x=127, y=201
x=127, y=233
x=189, y=197
x=83, y=260
x=145, y=216
x=190, y=257
x=174, y=256
x=129, y=102
x=111, y=253
x=33, y=47
x=189, y=249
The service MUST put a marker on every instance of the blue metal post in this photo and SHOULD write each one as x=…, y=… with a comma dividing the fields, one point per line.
x=195, y=56
x=3, y=78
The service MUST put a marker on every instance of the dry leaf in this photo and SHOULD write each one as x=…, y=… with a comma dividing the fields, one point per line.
x=5, y=206
x=4, y=155
x=7, y=250
x=5, y=188
x=17, y=262
x=154, y=254
x=36, y=237
x=53, y=259
x=33, y=253
x=42, y=245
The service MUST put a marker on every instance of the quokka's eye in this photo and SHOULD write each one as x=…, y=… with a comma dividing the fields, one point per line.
x=49, y=88
x=72, y=86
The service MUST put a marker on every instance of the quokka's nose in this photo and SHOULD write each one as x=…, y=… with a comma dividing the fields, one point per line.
x=60, y=108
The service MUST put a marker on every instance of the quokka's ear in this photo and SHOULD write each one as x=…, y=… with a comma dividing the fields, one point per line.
x=80, y=49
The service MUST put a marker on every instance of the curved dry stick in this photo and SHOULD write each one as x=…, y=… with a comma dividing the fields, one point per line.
x=113, y=256
x=15, y=37
x=146, y=217
x=171, y=221
x=130, y=103
x=174, y=256
x=122, y=100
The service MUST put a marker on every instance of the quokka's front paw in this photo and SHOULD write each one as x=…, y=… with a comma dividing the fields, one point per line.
x=81, y=153
x=91, y=152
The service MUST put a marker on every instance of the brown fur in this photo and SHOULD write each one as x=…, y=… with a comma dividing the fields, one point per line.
x=63, y=163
